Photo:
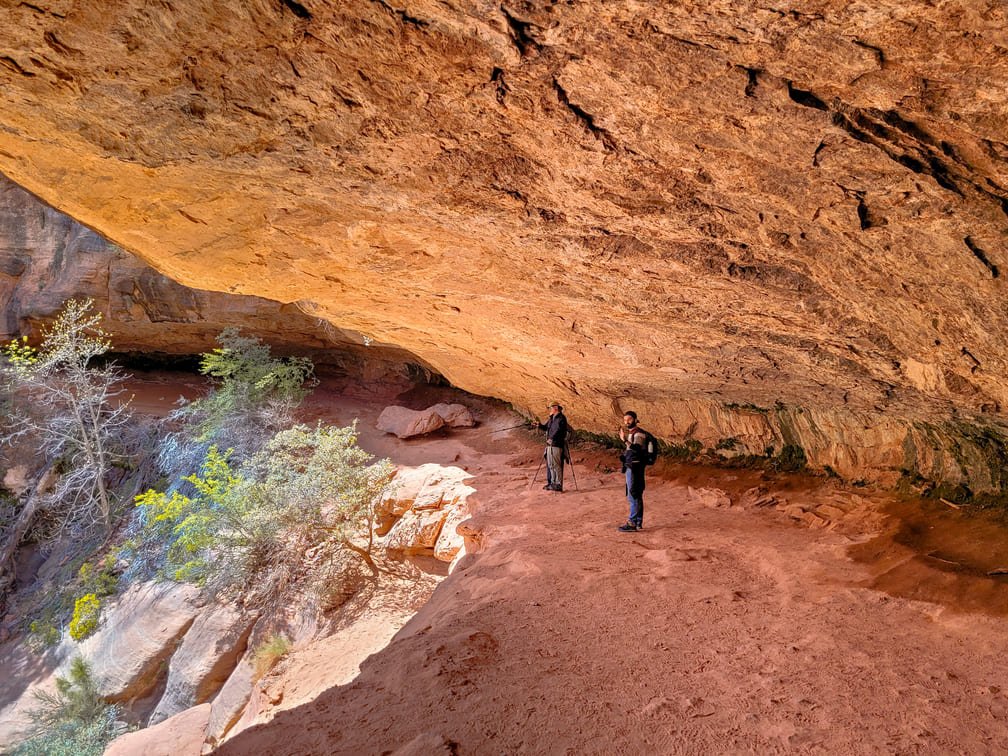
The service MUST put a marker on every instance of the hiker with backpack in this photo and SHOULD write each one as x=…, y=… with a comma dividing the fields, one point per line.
x=641, y=451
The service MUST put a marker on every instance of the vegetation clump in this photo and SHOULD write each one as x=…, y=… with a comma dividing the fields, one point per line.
x=70, y=408
x=258, y=515
x=791, y=459
x=73, y=721
x=268, y=654
x=251, y=528
x=254, y=397
x=87, y=612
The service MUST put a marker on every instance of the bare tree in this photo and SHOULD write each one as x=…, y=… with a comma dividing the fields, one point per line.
x=73, y=409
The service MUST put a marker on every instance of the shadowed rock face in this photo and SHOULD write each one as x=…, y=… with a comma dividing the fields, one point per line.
x=676, y=208
x=47, y=257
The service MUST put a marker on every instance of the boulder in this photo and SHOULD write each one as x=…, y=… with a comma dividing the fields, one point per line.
x=16, y=480
x=136, y=636
x=228, y=705
x=709, y=497
x=180, y=735
x=450, y=542
x=416, y=531
x=207, y=656
x=454, y=415
x=405, y=488
x=407, y=423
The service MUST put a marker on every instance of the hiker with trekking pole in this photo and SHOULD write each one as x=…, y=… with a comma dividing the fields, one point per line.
x=556, y=452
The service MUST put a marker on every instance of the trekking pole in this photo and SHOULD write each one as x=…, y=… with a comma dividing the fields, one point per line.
x=538, y=469
x=571, y=463
x=510, y=427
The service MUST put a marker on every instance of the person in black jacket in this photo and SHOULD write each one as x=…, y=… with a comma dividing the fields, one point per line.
x=556, y=445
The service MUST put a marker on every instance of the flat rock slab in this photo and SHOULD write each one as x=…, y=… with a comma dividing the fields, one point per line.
x=204, y=660
x=180, y=735
x=136, y=635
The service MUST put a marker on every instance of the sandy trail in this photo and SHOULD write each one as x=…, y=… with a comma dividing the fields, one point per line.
x=713, y=630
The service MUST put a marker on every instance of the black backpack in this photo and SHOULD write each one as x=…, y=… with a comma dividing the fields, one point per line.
x=650, y=448
x=646, y=452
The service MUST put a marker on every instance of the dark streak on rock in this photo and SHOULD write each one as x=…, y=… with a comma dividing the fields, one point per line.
x=191, y=218
x=297, y=9
x=862, y=214
x=403, y=15
x=53, y=41
x=585, y=119
x=909, y=145
x=807, y=99
x=976, y=363
x=815, y=155
x=752, y=75
x=502, y=90
x=877, y=51
x=982, y=257
x=521, y=33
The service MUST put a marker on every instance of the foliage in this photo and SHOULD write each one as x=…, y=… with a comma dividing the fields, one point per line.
x=726, y=443
x=101, y=579
x=251, y=529
x=243, y=364
x=189, y=525
x=73, y=721
x=269, y=653
x=687, y=450
x=43, y=634
x=791, y=459
x=603, y=440
x=253, y=398
x=87, y=612
x=72, y=409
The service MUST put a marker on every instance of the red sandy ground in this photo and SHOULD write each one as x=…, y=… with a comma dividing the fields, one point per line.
x=713, y=630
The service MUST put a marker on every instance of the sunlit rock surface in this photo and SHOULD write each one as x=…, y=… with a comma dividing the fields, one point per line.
x=677, y=208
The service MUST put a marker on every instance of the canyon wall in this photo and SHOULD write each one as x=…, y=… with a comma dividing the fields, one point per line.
x=691, y=210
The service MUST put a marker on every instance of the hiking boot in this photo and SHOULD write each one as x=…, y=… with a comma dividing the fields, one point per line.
x=548, y=487
x=558, y=489
x=627, y=527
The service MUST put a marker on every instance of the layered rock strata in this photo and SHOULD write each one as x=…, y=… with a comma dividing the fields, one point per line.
x=614, y=205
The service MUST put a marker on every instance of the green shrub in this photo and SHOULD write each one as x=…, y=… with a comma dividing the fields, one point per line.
x=253, y=397
x=251, y=529
x=190, y=527
x=73, y=721
x=101, y=580
x=688, y=450
x=248, y=377
x=269, y=653
x=86, y=614
x=43, y=634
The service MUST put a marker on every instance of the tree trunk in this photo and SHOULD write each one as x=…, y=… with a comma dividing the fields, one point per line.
x=21, y=526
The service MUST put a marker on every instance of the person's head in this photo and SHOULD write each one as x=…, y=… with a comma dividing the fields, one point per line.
x=630, y=419
x=555, y=409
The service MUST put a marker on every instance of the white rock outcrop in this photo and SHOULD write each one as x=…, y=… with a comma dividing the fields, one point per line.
x=421, y=512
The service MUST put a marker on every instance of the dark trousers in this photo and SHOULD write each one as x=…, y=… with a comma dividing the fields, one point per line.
x=635, y=493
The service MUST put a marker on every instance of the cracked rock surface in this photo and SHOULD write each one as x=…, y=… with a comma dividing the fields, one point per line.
x=612, y=205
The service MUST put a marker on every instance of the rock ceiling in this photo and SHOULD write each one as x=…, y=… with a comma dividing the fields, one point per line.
x=611, y=203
